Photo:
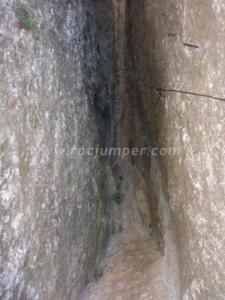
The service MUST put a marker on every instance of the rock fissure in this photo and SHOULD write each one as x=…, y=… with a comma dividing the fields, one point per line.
x=78, y=77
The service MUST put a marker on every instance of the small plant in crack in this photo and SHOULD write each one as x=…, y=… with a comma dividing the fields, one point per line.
x=25, y=19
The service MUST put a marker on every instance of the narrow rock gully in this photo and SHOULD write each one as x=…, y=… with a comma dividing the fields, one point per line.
x=141, y=258
x=145, y=80
x=139, y=264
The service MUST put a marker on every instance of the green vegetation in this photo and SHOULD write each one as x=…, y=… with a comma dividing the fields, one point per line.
x=24, y=18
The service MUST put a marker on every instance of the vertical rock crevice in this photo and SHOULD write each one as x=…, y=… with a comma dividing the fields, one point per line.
x=83, y=74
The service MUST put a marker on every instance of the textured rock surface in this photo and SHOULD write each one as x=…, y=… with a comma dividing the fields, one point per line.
x=136, y=265
x=57, y=88
x=178, y=45
x=141, y=259
x=52, y=201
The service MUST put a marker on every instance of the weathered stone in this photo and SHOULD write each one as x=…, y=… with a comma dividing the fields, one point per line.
x=58, y=206
x=53, y=207
x=179, y=46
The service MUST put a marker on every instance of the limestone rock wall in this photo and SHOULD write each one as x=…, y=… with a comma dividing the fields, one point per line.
x=179, y=46
x=52, y=201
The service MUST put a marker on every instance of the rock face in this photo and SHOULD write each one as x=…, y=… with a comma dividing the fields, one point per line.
x=57, y=91
x=56, y=95
x=178, y=46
